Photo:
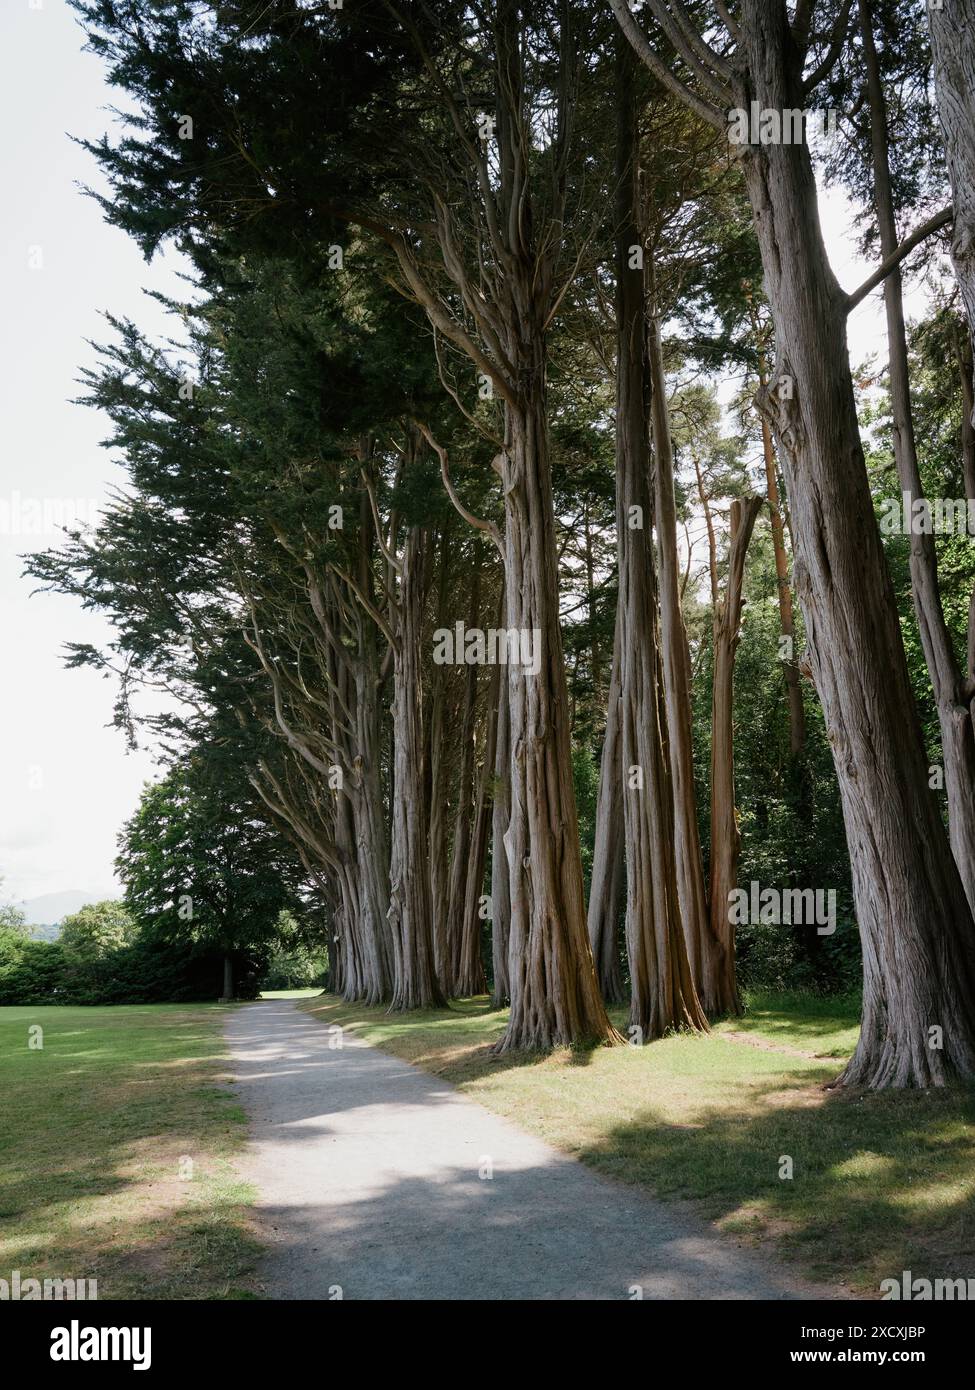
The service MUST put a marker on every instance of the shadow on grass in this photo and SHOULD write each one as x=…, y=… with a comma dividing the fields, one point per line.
x=449, y=1037
x=880, y=1181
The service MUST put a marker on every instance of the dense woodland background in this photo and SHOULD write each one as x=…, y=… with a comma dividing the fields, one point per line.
x=489, y=322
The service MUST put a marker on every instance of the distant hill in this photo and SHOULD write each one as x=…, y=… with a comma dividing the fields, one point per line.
x=52, y=908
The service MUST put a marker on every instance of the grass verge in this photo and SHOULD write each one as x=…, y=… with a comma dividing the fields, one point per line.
x=880, y=1182
x=116, y=1147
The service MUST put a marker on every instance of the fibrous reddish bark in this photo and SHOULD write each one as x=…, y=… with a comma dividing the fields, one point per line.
x=436, y=785
x=415, y=982
x=607, y=884
x=457, y=929
x=677, y=675
x=500, y=870
x=555, y=997
x=470, y=978
x=722, y=985
x=915, y=923
x=952, y=690
x=790, y=665
x=662, y=993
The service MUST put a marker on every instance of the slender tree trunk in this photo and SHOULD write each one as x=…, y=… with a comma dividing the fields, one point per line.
x=595, y=654
x=415, y=983
x=952, y=693
x=608, y=876
x=677, y=680
x=500, y=869
x=354, y=981
x=915, y=923
x=471, y=979
x=357, y=980
x=340, y=946
x=436, y=783
x=461, y=848
x=662, y=993
x=965, y=357
x=364, y=784
x=952, y=27
x=953, y=46
x=790, y=667
x=725, y=836
x=228, y=980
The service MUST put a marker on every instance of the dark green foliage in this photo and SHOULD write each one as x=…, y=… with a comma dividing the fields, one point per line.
x=145, y=972
x=31, y=972
x=295, y=967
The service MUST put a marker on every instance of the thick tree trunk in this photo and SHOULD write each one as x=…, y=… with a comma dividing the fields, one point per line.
x=662, y=993
x=722, y=985
x=915, y=923
x=608, y=876
x=952, y=693
x=415, y=983
x=555, y=997
x=228, y=980
x=500, y=869
x=677, y=678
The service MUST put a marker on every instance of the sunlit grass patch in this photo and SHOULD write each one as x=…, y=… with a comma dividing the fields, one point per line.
x=116, y=1149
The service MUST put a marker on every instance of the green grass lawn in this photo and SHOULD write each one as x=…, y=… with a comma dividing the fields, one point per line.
x=290, y=993
x=881, y=1182
x=96, y=1129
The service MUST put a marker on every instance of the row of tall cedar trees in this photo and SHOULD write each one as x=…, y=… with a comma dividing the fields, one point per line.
x=436, y=249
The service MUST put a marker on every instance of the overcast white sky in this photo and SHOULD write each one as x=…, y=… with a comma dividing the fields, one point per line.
x=66, y=781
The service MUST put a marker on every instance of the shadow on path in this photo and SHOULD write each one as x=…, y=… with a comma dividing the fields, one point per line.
x=374, y=1181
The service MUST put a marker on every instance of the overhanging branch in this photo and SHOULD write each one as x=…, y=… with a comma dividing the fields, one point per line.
x=891, y=262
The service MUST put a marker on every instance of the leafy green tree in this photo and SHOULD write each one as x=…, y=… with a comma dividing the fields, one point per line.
x=96, y=929
x=199, y=866
x=12, y=919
